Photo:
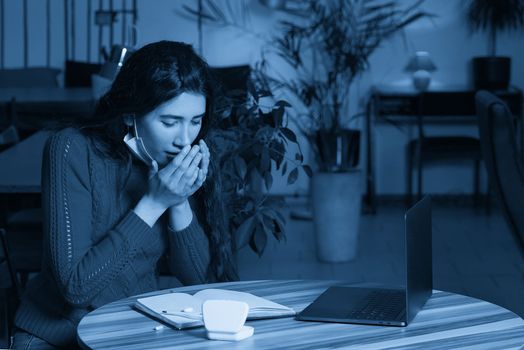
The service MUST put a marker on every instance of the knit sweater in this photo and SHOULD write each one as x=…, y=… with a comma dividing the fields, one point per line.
x=96, y=249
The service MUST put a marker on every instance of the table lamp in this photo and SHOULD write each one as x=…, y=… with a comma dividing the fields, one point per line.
x=421, y=65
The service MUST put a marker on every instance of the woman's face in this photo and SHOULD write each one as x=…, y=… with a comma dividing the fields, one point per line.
x=172, y=125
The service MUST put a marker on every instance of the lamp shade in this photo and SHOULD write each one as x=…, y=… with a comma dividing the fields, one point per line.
x=420, y=61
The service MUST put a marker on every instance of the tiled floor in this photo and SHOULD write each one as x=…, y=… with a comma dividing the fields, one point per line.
x=473, y=254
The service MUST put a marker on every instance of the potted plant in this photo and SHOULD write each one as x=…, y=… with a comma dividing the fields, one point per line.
x=325, y=44
x=492, y=71
x=326, y=49
x=251, y=140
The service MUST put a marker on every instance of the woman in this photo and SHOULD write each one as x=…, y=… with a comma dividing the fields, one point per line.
x=126, y=196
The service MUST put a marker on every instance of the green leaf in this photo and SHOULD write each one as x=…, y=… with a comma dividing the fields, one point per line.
x=289, y=134
x=278, y=231
x=249, y=206
x=265, y=161
x=268, y=223
x=280, y=218
x=254, y=176
x=284, y=169
x=259, y=239
x=307, y=170
x=257, y=148
x=251, y=110
x=268, y=180
x=278, y=115
x=278, y=222
x=244, y=232
x=263, y=133
x=240, y=166
x=292, y=177
x=271, y=220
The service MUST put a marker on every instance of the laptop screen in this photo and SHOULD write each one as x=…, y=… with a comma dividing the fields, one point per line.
x=419, y=270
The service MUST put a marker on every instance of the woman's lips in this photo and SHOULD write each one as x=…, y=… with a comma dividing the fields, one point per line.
x=172, y=154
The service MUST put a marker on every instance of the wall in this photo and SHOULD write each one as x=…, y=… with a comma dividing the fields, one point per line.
x=451, y=46
x=446, y=38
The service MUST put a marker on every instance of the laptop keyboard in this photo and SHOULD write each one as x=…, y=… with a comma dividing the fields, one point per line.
x=379, y=304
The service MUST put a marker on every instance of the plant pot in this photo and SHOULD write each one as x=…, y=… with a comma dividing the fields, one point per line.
x=337, y=150
x=491, y=72
x=336, y=214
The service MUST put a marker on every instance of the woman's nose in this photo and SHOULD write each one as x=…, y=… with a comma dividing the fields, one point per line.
x=182, y=138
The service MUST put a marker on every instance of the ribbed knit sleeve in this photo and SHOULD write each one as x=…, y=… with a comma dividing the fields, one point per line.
x=189, y=253
x=82, y=268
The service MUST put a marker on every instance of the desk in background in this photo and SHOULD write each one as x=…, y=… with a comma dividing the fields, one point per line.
x=22, y=165
x=46, y=94
x=442, y=104
x=42, y=105
x=448, y=321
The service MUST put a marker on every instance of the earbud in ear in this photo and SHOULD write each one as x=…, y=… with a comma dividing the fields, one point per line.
x=129, y=119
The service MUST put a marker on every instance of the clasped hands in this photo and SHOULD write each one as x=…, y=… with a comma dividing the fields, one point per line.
x=181, y=177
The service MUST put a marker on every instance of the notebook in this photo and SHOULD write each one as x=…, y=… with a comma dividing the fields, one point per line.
x=385, y=306
x=182, y=310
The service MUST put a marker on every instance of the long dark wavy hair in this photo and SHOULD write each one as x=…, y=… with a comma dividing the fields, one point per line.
x=153, y=75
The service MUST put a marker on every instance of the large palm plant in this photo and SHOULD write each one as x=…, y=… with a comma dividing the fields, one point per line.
x=325, y=44
x=252, y=140
x=493, y=72
x=326, y=49
x=495, y=16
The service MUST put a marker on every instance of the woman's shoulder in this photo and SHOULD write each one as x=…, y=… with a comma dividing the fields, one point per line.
x=69, y=140
x=70, y=133
x=81, y=144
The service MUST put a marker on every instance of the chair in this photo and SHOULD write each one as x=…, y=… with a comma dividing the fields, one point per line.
x=9, y=292
x=78, y=74
x=425, y=149
x=24, y=238
x=8, y=137
x=28, y=119
x=233, y=84
x=233, y=80
x=9, y=134
x=22, y=224
x=503, y=161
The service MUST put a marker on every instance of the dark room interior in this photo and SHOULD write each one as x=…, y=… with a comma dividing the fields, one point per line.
x=315, y=128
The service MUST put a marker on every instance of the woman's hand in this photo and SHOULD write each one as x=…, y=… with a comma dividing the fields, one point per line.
x=172, y=185
x=180, y=215
x=203, y=166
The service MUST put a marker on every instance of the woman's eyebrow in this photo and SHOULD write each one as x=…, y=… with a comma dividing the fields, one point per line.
x=172, y=116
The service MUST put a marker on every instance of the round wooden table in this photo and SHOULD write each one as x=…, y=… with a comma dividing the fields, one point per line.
x=448, y=321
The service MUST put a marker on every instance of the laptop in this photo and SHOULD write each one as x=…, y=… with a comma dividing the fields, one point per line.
x=385, y=306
